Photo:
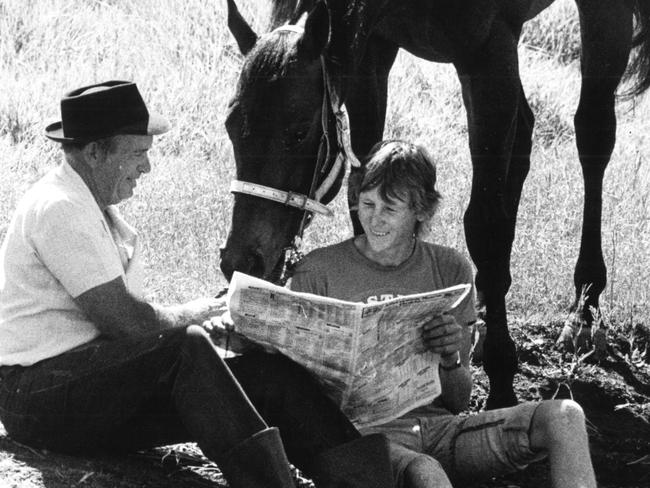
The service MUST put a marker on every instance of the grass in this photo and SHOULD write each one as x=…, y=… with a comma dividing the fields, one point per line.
x=185, y=63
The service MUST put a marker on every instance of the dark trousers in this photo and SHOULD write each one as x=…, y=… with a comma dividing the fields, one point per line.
x=167, y=388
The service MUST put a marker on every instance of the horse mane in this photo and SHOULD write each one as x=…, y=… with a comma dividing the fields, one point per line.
x=284, y=11
x=268, y=60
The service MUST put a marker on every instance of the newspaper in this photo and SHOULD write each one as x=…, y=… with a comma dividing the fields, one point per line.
x=370, y=357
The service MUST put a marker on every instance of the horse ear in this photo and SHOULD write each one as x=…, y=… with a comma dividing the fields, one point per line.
x=317, y=31
x=242, y=32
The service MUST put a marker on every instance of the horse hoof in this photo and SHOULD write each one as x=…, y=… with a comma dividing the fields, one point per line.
x=501, y=401
x=566, y=339
x=575, y=337
x=599, y=339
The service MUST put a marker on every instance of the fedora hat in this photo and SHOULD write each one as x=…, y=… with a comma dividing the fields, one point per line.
x=104, y=110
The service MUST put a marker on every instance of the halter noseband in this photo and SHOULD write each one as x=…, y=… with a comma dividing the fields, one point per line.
x=289, y=198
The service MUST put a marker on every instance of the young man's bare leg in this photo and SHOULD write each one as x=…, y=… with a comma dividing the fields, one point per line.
x=558, y=427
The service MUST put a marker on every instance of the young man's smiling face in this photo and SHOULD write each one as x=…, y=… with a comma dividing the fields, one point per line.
x=389, y=226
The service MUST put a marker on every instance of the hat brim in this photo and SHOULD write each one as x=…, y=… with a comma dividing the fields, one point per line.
x=156, y=125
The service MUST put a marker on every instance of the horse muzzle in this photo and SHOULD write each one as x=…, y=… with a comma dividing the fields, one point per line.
x=244, y=260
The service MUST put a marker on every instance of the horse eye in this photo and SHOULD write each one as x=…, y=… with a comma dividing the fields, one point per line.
x=294, y=138
x=294, y=135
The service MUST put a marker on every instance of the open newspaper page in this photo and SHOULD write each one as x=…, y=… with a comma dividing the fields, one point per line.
x=370, y=357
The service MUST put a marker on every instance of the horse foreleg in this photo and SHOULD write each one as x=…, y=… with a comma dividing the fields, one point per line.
x=491, y=92
x=520, y=160
x=606, y=39
x=517, y=173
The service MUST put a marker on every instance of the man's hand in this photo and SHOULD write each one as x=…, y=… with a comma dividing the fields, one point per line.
x=222, y=330
x=443, y=335
x=201, y=309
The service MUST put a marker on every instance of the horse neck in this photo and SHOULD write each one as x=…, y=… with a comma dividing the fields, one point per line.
x=283, y=11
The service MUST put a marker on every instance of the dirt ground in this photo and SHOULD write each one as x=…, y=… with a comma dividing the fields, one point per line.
x=615, y=395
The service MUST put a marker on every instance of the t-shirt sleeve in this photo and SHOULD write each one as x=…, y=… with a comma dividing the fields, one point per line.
x=76, y=247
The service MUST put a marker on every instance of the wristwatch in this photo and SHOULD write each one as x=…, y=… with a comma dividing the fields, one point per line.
x=454, y=366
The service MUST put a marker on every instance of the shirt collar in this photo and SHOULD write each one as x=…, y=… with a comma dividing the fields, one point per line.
x=70, y=177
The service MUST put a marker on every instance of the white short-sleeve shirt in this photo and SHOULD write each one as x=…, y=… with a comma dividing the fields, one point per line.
x=58, y=245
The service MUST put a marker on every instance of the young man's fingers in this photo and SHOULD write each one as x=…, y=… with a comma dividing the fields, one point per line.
x=440, y=321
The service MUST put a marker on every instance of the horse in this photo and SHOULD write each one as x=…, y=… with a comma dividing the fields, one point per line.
x=315, y=85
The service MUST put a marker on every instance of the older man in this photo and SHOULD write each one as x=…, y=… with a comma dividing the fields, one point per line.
x=87, y=364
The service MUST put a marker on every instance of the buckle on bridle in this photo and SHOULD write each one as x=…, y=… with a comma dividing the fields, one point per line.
x=297, y=200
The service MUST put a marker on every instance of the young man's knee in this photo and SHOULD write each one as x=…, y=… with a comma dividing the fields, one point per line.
x=567, y=413
x=425, y=471
x=560, y=419
x=572, y=411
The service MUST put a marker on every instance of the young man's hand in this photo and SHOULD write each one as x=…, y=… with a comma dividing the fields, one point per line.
x=443, y=335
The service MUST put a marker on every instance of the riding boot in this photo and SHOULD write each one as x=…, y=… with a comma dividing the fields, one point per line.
x=362, y=463
x=258, y=462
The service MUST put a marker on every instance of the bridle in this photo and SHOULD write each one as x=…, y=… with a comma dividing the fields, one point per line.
x=326, y=173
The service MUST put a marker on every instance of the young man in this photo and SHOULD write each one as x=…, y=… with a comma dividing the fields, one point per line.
x=398, y=197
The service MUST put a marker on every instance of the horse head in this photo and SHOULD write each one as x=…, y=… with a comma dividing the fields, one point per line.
x=275, y=123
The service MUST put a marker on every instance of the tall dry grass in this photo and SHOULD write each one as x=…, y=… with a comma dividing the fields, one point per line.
x=186, y=64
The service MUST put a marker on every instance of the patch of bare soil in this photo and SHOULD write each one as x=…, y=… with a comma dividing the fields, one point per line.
x=614, y=393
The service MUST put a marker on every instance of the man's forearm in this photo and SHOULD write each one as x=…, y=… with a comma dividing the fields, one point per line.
x=141, y=318
x=133, y=318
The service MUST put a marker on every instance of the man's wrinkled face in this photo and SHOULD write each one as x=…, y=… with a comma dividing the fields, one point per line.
x=124, y=161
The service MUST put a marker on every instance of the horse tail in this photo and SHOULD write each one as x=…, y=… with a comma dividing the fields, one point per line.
x=639, y=68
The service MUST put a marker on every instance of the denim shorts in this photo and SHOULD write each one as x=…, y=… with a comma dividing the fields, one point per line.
x=469, y=447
